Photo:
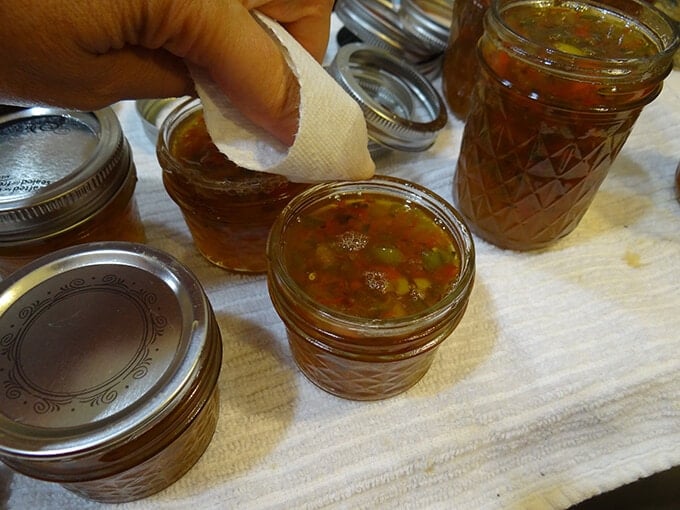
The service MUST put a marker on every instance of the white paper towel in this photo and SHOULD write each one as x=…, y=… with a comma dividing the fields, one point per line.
x=331, y=142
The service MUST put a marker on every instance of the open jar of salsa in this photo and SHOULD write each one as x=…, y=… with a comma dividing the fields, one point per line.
x=369, y=278
x=561, y=85
x=228, y=209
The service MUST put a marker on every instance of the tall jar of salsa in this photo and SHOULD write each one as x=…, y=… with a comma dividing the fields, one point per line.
x=227, y=208
x=561, y=85
x=459, y=66
x=369, y=278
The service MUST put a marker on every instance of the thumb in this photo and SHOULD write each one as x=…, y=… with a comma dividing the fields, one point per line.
x=241, y=58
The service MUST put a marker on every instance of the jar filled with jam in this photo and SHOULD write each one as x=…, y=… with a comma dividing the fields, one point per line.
x=66, y=178
x=228, y=209
x=113, y=409
x=369, y=278
x=560, y=88
x=459, y=66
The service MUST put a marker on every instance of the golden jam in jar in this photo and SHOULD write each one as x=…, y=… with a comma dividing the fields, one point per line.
x=228, y=209
x=66, y=178
x=560, y=88
x=112, y=410
x=460, y=66
x=369, y=278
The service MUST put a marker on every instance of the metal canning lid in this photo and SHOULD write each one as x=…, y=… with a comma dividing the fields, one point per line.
x=403, y=111
x=152, y=113
x=429, y=20
x=412, y=29
x=99, y=343
x=57, y=168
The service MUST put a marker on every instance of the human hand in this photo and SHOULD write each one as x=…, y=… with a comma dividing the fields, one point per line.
x=86, y=55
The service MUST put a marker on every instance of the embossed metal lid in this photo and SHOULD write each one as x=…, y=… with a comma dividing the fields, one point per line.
x=58, y=167
x=98, y=344
x=403, y=110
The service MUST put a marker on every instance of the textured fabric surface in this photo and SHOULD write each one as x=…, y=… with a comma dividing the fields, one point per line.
x=561, y=381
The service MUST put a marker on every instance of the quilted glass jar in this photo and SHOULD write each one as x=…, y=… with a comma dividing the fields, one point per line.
x=66, y=178
x=228, y=209
x=369, y=278
x=459, y=66
x=108, y=368
x=560, y=88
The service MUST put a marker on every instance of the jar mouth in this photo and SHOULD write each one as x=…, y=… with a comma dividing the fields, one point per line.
x=255, y=182
x=660, y=30
x=390, y=186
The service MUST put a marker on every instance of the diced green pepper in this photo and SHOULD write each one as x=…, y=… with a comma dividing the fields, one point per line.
x=388, y=255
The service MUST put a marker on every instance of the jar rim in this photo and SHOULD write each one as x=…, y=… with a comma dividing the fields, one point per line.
x=664, y=32
x=259, y=182
x=391, y=186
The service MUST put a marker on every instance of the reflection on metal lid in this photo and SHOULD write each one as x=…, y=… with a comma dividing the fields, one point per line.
x=417, y=30
x=99, y=343
x=57, y=167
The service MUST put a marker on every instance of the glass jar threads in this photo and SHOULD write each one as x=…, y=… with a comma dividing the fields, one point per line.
x=113, y=408
x=561, y=85
x=369, y=278
x=228, y=209
x=66, y=178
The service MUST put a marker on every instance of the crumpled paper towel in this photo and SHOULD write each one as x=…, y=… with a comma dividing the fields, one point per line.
x=332, y=140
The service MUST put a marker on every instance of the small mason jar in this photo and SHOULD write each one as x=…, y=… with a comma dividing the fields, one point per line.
x=369, y=278
x=228, y=209
x=66, y=178
x=560, y=88
x=113, y=408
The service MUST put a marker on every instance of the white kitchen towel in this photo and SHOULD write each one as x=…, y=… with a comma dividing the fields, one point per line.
x=332, y=140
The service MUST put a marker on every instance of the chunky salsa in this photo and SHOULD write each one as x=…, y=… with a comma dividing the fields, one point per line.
x=549, y=114
x=372, y=255
x=597, y=35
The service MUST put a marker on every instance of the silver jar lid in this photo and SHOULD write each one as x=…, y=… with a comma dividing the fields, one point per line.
x=100, y=342
x=403, y=110
x=429, y=20
x=152, y=113
x=57, y=168
x=412, y=29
